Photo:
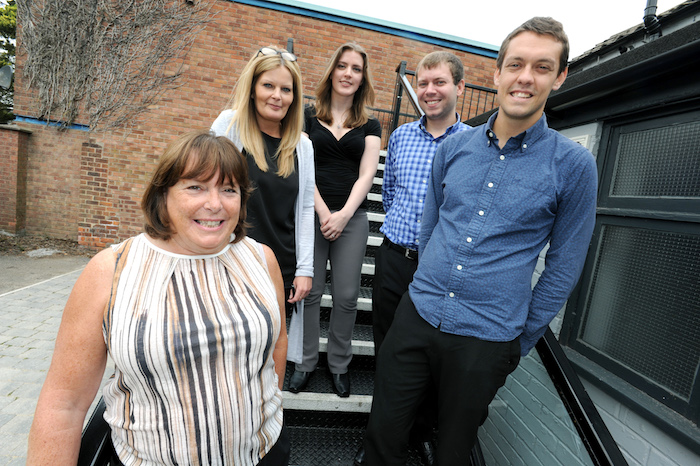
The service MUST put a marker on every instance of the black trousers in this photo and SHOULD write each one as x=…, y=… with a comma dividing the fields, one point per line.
x=467, y=373
x=393, y=272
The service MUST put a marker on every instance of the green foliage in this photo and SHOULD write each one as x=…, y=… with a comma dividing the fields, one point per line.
x=8, y=32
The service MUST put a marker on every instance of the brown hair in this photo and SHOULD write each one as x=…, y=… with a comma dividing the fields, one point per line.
x=545, y=26
x=434, y=59
x=364, y=97
x=197, y=155
x=245, y=119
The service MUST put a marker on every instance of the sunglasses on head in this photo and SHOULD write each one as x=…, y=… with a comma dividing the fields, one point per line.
x=268, y=51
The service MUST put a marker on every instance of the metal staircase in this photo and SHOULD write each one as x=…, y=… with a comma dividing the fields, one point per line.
x=542, y=416
x=325, y=429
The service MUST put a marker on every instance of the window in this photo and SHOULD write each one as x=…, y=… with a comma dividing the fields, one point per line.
x=637, y=311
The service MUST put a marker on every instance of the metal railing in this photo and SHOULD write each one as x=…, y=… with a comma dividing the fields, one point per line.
x=474, y=101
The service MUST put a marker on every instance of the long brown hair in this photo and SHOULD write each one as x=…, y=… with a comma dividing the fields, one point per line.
x=364, y=97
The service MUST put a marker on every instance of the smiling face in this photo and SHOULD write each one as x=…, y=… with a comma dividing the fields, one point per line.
x=529, y=73
x=437, y=93
x=273, y=93
x=347, y=76
x=203, y=214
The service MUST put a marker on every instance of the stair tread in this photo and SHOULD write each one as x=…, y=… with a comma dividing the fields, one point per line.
x=329, y=439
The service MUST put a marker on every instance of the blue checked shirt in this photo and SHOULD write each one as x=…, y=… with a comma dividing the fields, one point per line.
x=407, y=169
x=488, y=214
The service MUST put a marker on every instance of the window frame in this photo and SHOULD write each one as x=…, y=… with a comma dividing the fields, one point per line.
x=681, y=215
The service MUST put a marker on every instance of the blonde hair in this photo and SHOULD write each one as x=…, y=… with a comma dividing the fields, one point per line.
x=364, y=96
x=245, y=119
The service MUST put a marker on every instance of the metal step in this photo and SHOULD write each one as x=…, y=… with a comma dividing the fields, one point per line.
x=328, y=438
x=375, y=217
x=367, y=266
x=375, y=239
x=374, y=197
x=364, y=301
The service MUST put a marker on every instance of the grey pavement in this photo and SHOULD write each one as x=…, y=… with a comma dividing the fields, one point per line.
x=33, y=292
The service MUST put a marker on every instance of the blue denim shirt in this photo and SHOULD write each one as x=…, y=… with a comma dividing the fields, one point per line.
x=488, y=214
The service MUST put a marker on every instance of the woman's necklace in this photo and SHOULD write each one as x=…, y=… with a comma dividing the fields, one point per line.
x=340, y=122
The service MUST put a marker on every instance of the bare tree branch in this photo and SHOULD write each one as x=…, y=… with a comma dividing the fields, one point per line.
x=107, y=60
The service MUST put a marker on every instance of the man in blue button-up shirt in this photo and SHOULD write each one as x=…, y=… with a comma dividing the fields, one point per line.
x=497, y=195
x=440, y=81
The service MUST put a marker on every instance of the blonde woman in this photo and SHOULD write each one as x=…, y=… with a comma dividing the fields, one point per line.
x=265, y=122
x=346, y=146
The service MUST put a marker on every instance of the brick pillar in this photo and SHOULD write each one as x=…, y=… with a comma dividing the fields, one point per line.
x=13, y=178
x=98, y=226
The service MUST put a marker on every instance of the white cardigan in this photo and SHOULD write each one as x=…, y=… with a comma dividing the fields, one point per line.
x=304, y=206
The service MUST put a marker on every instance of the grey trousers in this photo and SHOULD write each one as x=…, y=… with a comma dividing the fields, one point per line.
x=346, y=255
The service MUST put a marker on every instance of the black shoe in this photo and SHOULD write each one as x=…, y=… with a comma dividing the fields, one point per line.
x=298, y=381
x=341, y=384
x=427, y=453
x=359, y=457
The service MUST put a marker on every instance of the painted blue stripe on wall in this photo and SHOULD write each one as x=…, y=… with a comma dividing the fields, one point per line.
x=373, y=24
x=36, y=121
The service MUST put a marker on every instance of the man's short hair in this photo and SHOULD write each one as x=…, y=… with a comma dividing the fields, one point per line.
x=434, y=59
x=539, y=25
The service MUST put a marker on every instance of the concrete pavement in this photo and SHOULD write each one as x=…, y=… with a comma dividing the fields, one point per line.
x=33, y=292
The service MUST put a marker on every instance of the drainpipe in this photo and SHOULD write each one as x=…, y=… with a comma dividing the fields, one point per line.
x=651, y=22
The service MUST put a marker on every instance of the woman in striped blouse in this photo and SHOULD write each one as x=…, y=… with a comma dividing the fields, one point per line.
x=191, y=313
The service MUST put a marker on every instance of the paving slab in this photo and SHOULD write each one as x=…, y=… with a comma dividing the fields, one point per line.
x=33, y=292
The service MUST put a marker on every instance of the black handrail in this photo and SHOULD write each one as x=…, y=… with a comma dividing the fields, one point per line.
x=593, y=432
x=474, y=100
x=95, y=443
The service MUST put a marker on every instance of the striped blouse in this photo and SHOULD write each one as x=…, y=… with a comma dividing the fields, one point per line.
x=192, y=339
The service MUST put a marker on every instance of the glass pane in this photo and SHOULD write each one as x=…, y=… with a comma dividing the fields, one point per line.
x=659, y=162
x=528, y=424
x=644, y=305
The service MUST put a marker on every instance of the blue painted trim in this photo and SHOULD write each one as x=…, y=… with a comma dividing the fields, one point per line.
x=373, y=24
x=36, y=121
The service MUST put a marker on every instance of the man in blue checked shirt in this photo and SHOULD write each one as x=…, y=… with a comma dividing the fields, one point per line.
x=439, y=81
x=497, y=195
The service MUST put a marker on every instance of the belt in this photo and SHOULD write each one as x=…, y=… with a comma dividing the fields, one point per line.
x=408, y=253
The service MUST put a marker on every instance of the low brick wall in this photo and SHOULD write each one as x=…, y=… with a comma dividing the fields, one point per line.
x=13, y=178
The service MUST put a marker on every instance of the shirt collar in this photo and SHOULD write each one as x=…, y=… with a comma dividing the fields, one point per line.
x=448, y=131
x=524, y=139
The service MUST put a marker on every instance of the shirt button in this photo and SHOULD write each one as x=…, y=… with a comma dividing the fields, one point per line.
x=469, y=240
x=490, y=185
x=481, y=213
x=452, y=295
x=459, y=267
x=524, y=146
x=503, y=157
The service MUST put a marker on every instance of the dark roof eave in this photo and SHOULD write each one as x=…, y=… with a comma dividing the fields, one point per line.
x=663, y=56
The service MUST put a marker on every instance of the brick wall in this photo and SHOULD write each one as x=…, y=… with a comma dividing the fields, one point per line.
x=13, y=175
x=88, y=186
x=528, y=424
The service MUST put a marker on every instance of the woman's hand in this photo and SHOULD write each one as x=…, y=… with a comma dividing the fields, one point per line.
x=332, y=228
x=300, y=289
